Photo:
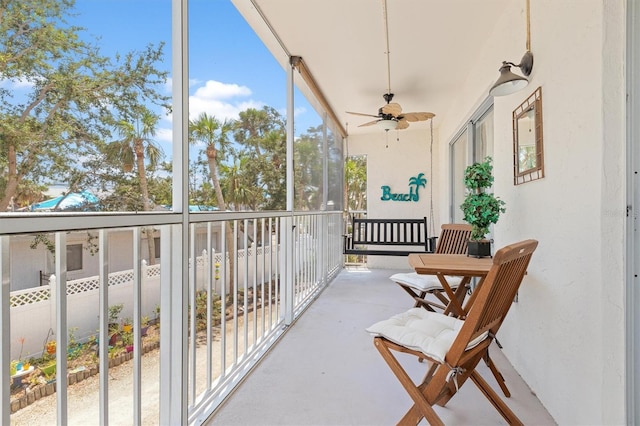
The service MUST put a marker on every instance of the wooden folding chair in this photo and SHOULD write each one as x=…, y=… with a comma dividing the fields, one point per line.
x=453, y=346
x=452, y=240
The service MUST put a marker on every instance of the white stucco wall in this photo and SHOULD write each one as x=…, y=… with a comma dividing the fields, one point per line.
x=407, y=155
x=565, y=335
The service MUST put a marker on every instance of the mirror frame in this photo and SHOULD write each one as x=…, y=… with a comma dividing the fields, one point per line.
x=532, y=103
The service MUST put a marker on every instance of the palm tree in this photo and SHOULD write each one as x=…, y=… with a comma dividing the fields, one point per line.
x=417, y=181
x=241, y=187
x=136, y=146
x=215, y=135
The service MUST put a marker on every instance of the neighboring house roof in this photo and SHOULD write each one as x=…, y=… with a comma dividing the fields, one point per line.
x=83, y=200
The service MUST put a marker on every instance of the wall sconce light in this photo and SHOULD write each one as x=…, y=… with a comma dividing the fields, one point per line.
x=388, y=124
x=508, y=82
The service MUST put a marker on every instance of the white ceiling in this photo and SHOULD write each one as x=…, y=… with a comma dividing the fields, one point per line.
x=343, y=44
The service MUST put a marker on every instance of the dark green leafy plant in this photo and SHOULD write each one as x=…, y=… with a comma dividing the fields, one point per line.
x=480, y=208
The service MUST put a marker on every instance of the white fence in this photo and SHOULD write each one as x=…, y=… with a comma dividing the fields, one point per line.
x=33, y=315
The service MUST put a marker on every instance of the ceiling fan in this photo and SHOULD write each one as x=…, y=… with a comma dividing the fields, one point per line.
x=390, y=116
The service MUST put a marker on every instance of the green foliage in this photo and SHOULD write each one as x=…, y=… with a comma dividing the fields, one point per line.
x=307, y=174
x=356, y=182
x=479, y=175
x=480, y=208
x=201, y=309
x=43, y=239
x=127, y=338
x=114, y=312
x=75, y=98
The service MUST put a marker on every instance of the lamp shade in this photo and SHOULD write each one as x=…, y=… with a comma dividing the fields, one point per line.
x=508, y=82
x=388, y=124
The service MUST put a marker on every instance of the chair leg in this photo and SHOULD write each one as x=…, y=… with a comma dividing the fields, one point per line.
x=411, y=418
x=497, y=374
x=422, y=408
x=495, y=400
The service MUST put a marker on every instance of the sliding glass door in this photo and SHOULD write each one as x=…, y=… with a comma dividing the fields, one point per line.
x=472, y=143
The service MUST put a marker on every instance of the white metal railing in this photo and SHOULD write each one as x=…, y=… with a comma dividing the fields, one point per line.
x=82, y=293
x=237, y=303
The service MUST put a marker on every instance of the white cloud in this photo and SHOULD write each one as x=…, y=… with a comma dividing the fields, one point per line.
x=216, y=90
x=16, y=83
x=164, y=135
x=220, y=100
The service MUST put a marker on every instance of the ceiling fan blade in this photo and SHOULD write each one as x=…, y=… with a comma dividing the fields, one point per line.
x=417, y=116
x=402, y=124
x=371, y=123
x=393, y=108
x=360, y=113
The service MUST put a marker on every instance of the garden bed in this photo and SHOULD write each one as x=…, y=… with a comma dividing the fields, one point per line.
x=82, y=364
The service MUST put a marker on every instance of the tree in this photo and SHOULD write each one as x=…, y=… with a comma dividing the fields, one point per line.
x=253, y=126
x=214, y=135
x=136, y=145
x=240, y=187
x=161, y=186
x=262, y=134
x=308, y=170
x=74, y=94
x=356, y=183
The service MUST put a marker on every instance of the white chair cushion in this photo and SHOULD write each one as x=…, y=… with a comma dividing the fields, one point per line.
x=423, y=282
x=428, y=332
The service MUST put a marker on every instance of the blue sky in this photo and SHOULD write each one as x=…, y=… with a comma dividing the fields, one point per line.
x=229, y=70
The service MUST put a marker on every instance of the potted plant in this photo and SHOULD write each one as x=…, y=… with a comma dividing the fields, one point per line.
x=480, y=208
x=51, y=347
x=114, y=314
x=127, y=340
x=127, y=325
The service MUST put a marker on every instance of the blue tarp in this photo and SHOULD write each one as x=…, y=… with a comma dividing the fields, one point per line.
x=196, y=208
x=83, y=200
x=193, y=208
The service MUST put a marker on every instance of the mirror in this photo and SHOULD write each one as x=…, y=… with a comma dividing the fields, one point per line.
x=528, y=159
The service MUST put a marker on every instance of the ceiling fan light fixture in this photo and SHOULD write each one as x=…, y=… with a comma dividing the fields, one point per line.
x=388, y=124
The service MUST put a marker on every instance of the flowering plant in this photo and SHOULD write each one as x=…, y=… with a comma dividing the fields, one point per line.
x=51, y=347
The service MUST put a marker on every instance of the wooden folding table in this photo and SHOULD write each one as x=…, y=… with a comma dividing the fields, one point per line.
x=467, y=267
x=443, y=265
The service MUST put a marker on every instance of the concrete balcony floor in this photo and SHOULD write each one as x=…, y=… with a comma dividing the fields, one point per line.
x=326, y=371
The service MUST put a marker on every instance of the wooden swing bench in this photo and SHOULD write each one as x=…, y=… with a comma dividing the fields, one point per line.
x=388, y=237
